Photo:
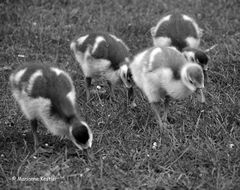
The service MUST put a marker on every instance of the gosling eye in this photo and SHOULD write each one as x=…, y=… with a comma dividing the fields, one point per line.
x=190, y=81
x=192, y=59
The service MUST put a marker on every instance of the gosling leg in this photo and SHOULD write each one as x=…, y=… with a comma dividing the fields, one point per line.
x=166, y=108
x=155, y=107
x=34, y=126
x=112, y=94
x=131, y=99
x=88, y=81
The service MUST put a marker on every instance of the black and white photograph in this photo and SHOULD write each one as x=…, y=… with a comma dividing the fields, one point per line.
x=120, y=94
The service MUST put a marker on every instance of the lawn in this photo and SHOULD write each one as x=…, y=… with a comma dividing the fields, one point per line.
x=128, y=152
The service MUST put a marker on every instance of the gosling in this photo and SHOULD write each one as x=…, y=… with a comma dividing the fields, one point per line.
x=47, y=94
x=103, y=54
x=164, y=73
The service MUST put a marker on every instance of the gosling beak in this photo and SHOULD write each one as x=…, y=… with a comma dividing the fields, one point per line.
x=200, y=95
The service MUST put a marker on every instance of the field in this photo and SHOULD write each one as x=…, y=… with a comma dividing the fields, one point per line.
x=203, y=149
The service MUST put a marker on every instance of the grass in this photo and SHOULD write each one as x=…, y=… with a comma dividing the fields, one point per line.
x=201, y=153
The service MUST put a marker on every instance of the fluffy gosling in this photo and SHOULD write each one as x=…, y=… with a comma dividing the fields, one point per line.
x=103, y=54
x=164, y=73
x=47, y=94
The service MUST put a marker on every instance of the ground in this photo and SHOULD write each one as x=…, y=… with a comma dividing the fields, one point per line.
x=128, y=152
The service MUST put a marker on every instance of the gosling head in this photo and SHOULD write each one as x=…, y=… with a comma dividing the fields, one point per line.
x=80, y=134
x=192, y=76
x=125, y=75
x=197, y=56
